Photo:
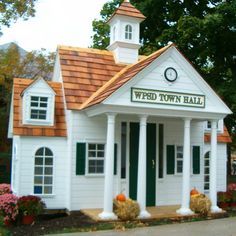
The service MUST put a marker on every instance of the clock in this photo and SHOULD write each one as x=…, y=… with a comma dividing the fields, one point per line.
x=170, y=74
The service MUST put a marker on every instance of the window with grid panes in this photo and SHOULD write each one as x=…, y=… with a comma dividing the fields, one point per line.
x=207, y=171
x=96, y=155
x=38, y=108
x=179, y=159
x=128, y=32
x=43, y=171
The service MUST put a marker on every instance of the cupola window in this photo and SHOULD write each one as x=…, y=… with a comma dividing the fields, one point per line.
x=128, y=32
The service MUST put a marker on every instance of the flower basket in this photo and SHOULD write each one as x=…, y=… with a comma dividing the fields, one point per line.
x=30, y=205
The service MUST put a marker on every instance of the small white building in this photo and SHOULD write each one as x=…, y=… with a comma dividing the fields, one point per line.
x=111, y=122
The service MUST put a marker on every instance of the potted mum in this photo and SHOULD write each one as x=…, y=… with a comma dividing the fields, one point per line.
x=8, y=207
x=224, y=199
x=30, y=207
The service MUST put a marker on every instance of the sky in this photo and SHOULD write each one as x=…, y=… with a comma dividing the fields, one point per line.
x=56, y=22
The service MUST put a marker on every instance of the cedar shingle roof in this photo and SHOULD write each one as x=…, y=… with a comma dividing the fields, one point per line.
x=84, y=71
x=58, y=130
x=127, y=9
x=221, y=138
x=121, y=78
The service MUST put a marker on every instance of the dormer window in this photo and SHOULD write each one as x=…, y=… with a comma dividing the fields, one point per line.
x=128, y=32
x=38, y=104
x=38, y=108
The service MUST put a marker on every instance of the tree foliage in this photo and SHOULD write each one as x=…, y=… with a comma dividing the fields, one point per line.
x=204, y=30
x=11, y=10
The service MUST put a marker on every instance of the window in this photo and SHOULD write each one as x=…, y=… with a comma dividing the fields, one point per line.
x=96, y=154
x=128, y=32
x=38, y=107
x=207, y=171
x=43, y=171
x=179, y=159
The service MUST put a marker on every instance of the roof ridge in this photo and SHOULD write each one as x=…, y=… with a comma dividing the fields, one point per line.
x=113, y=79
x=88, y=50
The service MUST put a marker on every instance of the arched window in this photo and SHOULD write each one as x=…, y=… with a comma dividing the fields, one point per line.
x=128, y=32
x=43, y=171
x=207, y=171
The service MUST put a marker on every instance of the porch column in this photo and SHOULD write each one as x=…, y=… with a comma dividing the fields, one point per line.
x=141, y=188
x=213, y=166
x=185, y=210
x=109, y=166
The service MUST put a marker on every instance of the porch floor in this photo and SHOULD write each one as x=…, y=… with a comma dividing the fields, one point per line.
x=157, y=213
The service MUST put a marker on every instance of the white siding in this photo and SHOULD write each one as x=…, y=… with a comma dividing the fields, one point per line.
x=169, y=189
x=221, y=172
x=28, y=146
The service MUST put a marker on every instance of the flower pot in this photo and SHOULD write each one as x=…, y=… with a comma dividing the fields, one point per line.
x=28, y=220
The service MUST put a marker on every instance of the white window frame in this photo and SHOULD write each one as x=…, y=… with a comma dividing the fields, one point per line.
x=43, y=175
x=177, y=159
x=95, y=158
x=49, y=121
x=220, y=126
x=204, y=174
x=128, y=32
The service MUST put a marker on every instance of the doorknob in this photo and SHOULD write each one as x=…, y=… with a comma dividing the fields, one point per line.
x=153, y=164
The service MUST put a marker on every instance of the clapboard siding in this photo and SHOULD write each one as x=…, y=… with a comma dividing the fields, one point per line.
x=59, y=149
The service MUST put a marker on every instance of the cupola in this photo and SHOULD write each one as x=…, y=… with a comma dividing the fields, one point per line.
x=124, y=33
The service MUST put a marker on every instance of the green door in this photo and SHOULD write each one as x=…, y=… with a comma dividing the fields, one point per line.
x=151, y=162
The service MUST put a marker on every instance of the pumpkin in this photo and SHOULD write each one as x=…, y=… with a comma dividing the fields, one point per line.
x=121, y=197
x=194, y=192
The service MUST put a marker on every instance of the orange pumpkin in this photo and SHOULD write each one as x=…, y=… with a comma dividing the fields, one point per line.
x=194, y=192
x=121, y=197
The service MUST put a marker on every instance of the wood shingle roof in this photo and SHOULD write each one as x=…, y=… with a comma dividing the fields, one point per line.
x=84, y=71
x=59, y=128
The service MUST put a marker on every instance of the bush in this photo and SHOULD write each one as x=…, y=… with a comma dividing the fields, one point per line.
x=5, y=188
x=223, y=197
x=30, y=205
x=8, y=206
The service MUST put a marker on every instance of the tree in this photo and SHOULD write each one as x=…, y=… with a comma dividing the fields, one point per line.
x=205, y=31
x=11, y=10
x=13, y=64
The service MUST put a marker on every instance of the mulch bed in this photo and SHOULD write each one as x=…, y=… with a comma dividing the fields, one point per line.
x=51, y=223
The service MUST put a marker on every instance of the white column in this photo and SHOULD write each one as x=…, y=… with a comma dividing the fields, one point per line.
x=109, y=166
x=213, y=167
x=141, y=188
x=185, y=210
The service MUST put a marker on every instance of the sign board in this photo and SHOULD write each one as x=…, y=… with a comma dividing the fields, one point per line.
x=167, y=97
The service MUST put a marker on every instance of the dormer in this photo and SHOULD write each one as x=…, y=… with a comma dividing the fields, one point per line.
x=124, y=33
x=38, y=104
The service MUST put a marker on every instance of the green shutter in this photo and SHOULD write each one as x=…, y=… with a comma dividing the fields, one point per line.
x=170, y=153
x=80, y=158
x=115, y=159
x=196, y=160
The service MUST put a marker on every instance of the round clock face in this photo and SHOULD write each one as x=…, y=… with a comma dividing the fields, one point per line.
x=170, y=74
